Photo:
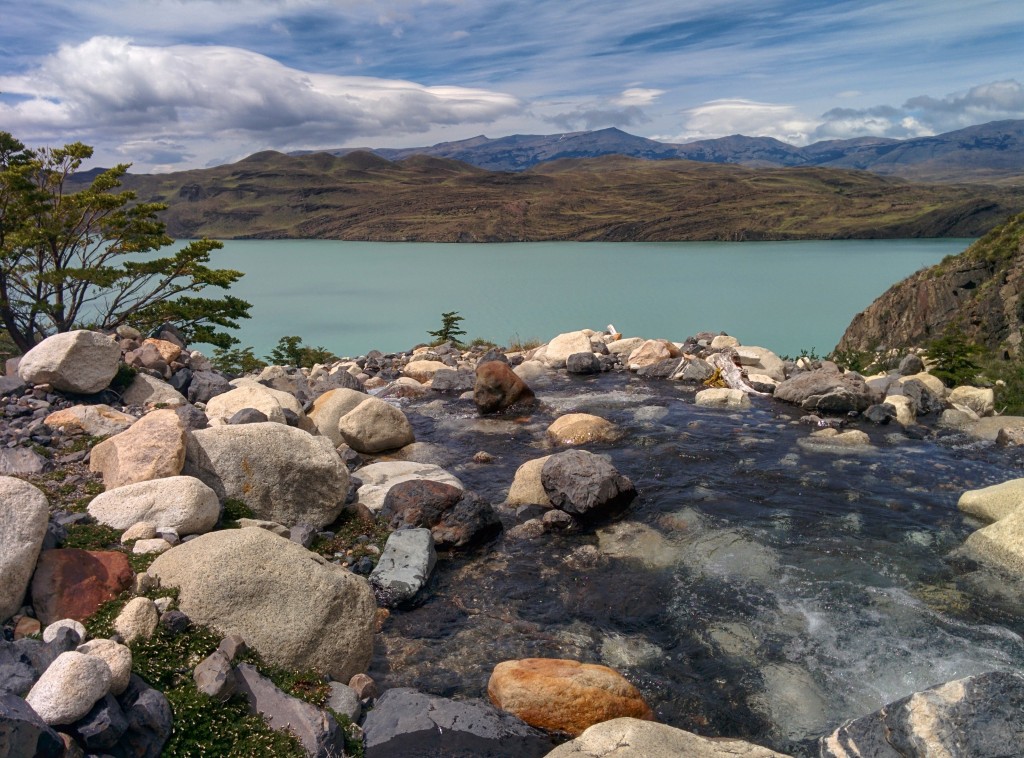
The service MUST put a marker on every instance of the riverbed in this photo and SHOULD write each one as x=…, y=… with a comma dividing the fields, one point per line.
x=756, y=588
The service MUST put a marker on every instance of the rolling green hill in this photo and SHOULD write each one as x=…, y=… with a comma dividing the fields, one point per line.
x=361, y=196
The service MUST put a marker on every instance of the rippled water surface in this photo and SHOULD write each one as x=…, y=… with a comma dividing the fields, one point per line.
x=757, y=587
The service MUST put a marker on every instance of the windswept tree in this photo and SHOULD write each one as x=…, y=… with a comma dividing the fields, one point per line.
x=79, y=259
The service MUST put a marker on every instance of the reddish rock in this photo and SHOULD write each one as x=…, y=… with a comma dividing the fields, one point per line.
x=497, y=388
x=71, y=583
x=563, y=695
x=456, y=518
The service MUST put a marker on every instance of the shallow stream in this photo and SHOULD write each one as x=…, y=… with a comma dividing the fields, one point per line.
x=757, y=588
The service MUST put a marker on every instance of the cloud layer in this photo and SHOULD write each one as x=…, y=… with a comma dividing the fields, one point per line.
x=171, y=95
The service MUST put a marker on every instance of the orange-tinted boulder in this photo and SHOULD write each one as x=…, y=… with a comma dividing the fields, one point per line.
x=71, y=583
x=563, y=695
x=497, y=388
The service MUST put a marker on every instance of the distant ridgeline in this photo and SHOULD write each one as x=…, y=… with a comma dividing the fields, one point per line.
x=979, y=293
x=978, y=153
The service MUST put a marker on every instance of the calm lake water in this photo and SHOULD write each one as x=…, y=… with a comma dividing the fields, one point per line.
x=351, y=297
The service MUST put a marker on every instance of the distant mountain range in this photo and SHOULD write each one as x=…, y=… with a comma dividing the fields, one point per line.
x=983, y=153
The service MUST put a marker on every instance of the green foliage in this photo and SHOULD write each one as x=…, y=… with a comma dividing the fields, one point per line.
x=92, y=537
x=78, y=259
x=234, y=510
x=954, y=358
x=854, y=360
x=236, y=361
x=291, y=352
x=353, y=536
x=124, y=377
x=449, y=331
x=518, y=345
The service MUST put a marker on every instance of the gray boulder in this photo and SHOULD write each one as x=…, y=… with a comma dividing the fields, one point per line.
x=20, y=461
x=979, y=717
x=283, y=474
x=148, y=390
x=182, y=503
x=404, y=566
x=206, y=385
x=583, y=363
x=288, y=603
x=22, y=732
x=149, y=720
x=584, y=484
x=827, y=391
x=215, y=676
x=405, y=723
x=24, y=513
x=101, y=728
x=317, y=730
x=79, y=361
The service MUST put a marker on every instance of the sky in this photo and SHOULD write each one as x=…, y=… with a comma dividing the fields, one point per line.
x=175, y=84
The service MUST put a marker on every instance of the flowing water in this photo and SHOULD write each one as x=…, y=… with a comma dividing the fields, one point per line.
x=758, y=587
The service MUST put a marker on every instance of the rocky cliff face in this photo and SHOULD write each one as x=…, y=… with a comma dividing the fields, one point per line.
x=978, y=291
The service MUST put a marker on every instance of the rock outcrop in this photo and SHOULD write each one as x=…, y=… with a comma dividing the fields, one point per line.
x=980, y=291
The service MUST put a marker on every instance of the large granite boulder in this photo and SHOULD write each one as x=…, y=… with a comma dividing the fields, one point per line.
x=498, y=387
x=627, y=737
x=722, y=397
x=981, y=400
x=405, y=723
x=1000, y=545
x=73, y=583
x=650, y=353
x=527, y=487
x=330, y=407
x=222, y=407
x=828, y=391
x=290, y=604
x=582, y=429
x=24, y=513
x=374, y=426
x=69, y=688
x=979, y=716
x=152, y=448
x=995, y=502
x=79, y=361
x=283, y=474
x=182, y=503
x=585, y=484
x=96, y=420
x=378, y=479
x=561, y=347
x=761, y=360
x=563, y=695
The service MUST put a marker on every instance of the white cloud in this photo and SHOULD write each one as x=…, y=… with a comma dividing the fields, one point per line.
x=720, y=118
x=925, y=115
x=638, y=96
x=111, y=86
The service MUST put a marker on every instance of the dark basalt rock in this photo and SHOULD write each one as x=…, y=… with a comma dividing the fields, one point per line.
x=456, y=518
x=586, y=485
x=206, y=385
x=583, y=363
x=149, y=720
x=880, y=413
x=22, y=732
x=405, y=723
x=102, y=727
x=979, y=717
x=448, y=380
x=248, y=416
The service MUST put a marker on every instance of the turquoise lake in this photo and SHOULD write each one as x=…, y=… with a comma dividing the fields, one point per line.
x=351, y=297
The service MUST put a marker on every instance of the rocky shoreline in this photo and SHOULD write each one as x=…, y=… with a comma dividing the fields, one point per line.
x=197, y=477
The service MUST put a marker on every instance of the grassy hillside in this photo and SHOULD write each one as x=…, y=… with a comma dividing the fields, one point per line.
x=361, y=196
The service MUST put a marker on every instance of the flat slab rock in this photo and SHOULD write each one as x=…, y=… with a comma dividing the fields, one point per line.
x=405, y=723
x=976, y=717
